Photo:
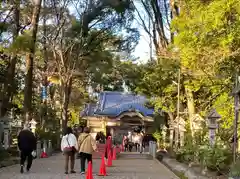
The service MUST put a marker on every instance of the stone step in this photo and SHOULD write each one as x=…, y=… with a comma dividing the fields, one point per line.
x=134, y=155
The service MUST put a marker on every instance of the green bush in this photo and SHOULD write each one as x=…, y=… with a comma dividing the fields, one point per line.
x=4, y=154
x=215, y=157
x=185, y=155
x=235, y=170
x=13, y=151
x=186, y=152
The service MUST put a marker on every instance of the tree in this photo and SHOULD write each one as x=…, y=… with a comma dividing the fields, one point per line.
x=77, y=49
x=8, y=82
x=208, y=47
x=30, y=60
x=160, y=88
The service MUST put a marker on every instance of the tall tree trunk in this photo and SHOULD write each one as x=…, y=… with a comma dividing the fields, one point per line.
x=9, y=81
x=171, y=116
x=175, y=11
x=67, y=86
x=162, y=41
x=44, y=77
x=28, y=91
x=175, y=8
x=191, y=107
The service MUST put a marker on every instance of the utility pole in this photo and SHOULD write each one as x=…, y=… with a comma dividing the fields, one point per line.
x=236, y=108
x=178, y=107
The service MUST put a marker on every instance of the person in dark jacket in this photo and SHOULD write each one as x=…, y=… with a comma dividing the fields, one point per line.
x=27, y=143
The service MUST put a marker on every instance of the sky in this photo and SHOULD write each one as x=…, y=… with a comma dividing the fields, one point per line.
x=142, y=50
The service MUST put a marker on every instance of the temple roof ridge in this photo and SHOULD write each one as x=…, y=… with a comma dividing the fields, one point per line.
x=113, y=103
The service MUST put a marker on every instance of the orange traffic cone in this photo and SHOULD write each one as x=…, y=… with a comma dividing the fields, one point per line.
x=109, y=162
x=89, y=174
x=44, y=155
x=102, y=170
x=114, y=157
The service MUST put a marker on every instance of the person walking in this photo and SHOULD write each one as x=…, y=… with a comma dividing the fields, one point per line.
x=27, y=144
x=69, y=146
x=87, y=145
x=108, y=146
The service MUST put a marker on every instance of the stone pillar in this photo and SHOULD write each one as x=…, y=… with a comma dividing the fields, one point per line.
x=181, y=138
x=45, y=146
x=6, y=139
x=6, y=136
x=176, y=137
x=150, y=147
x=154, y=149
x=164, y=132
x=49, y=147
x=171, y=136
x=212, y=136
x=38, y=149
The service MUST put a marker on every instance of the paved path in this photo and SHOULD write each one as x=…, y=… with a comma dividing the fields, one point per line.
x=52, y=168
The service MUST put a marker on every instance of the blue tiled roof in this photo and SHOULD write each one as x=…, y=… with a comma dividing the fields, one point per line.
x=115, y=103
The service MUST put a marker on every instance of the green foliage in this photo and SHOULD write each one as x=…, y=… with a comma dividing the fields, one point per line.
x=158, y=82
x=186, y=153
x=22, y=43
x=157, y=135
x=217, y=157
x=235, y=169
x=207, y=31
x=224, y=106
x=4, y=154
x=181, y=175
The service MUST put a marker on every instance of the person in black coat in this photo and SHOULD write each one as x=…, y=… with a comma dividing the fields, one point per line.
x=27, y=143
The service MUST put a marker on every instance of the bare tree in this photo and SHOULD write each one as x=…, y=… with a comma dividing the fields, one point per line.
x=160, y=14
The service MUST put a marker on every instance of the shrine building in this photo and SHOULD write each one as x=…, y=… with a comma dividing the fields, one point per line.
x=118, y=112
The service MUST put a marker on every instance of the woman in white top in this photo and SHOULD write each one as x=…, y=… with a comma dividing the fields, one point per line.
x=69, y=146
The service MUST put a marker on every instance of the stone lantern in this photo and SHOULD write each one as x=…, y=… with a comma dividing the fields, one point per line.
x=197, y=121
x=212, y=122
x=4, y=129
x=171, y=129
x=164, y=133
x=33, y=124
x=182, y=130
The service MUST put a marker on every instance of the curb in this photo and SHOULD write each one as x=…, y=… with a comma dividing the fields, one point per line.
x=187, y=172
x=166, y=167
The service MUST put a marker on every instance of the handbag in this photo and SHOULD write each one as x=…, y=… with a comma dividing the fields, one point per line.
x=34, y=154
x=69, y=148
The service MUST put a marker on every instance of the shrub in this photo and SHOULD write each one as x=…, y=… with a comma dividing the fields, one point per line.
x=235, y=170
x=13, y=151
x=215, y=157
x=4, y=154
x=185, y=155
x=186, y=152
